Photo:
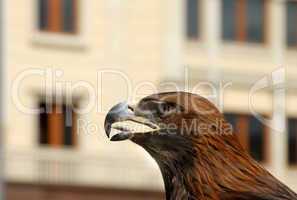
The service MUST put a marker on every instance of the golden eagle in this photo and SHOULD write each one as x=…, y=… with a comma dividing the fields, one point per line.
x=199, y=156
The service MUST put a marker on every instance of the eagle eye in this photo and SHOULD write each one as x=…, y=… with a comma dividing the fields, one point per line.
x=167, y=108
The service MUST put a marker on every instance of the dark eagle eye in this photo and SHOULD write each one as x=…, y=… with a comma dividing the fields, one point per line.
x=157, y=108
x=165, y=109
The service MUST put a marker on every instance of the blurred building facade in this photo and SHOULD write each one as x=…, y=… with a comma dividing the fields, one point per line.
x=222, y=49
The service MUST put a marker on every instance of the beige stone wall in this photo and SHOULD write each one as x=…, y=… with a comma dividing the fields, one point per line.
x=139, y=39
x=114, y=35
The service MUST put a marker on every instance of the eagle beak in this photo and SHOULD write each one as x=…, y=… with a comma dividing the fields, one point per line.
x=121, y=123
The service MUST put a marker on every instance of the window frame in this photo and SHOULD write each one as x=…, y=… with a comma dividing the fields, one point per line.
x=294, y=165
x=55, y=17
x=51, y=133
x=242, y=123
x=241, y=20
x=294, y=46
x=79, y=41
x=199, y=20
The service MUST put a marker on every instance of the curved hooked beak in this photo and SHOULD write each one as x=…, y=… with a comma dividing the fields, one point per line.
x=121, y=123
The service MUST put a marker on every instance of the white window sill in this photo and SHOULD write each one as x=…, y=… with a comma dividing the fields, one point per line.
x=59, y=40
x=246, y=45
x=226, y=46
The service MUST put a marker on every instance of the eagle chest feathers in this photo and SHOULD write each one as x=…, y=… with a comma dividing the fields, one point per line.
x=197, y=152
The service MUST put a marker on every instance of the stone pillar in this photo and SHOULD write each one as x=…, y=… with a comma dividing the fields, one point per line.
x=115, y=18
x=211, y=10
x=2, y=94
x=173, y=38
x=278, y=145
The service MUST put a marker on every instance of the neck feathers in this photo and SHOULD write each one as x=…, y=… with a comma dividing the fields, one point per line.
x=218, y=169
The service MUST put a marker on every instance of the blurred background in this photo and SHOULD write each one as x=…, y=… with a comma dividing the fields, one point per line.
x=140, y=44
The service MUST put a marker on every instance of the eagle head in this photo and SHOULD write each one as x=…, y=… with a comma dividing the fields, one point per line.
x=166, y=122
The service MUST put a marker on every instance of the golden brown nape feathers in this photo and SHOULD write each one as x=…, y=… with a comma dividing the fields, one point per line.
x=195, y=148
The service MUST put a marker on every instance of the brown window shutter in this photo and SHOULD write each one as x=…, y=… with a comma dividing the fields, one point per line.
x=55, y=16
x=266, y=143
x=295, y=153
x=241, y=33
x=56, y=126
x=75, y=16
x=265, y=21
x=243, y=131
x=74, y=129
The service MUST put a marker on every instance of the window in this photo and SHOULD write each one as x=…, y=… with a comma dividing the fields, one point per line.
x=192, y=19
x=57, y=15
x=252, y=134
x=57, y=125
x=291, y=23
x=244, y=20
x=292, y=141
